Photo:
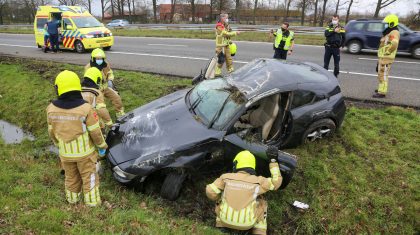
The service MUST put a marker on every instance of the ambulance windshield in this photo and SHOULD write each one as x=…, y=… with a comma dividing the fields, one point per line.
x=86, y=22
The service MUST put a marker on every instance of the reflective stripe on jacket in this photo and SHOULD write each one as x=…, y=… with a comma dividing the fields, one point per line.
x=288, y=40
x=238, y=193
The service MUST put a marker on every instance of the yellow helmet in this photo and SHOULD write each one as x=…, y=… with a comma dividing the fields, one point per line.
x=391, y=20
x=232, y=48
x=67, y=81
x=98, y=53
x=244, y=159
x=94, y=74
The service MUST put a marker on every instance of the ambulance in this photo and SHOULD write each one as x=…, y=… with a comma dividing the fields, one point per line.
x=80, y=31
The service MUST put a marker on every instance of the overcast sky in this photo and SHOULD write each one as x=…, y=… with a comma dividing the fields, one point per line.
x=401, y=7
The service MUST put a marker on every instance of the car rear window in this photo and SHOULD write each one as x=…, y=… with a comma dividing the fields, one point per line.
x=357, y=26
x=375, y=27
x=40, y=22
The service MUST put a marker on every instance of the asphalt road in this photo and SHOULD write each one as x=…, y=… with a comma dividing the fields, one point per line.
x=185, y=57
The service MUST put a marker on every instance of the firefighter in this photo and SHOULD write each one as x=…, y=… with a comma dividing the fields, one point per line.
x=237, y=194
x=107, y=87
x=388, y=46
x=93, y=95
x=73, y=126
x=335, y=36
x=223, y=42
x=284, y=42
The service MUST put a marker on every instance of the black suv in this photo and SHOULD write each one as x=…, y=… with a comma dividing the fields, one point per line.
x=365, y=34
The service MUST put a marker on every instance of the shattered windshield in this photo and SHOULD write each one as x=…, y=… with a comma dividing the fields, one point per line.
x=215, y=102
x=86, y=22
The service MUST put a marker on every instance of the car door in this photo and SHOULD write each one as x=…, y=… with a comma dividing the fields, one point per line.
x=39, y=31
x=373, y=34
x=404, y=44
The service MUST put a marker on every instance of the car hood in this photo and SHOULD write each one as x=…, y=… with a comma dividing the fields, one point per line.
x=161, y=128
x=94, y=30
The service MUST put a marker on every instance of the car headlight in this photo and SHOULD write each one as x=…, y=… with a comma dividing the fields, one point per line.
x=123, y=174
x=89, y=36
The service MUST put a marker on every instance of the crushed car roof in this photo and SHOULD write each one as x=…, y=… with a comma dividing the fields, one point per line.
x=263, y=75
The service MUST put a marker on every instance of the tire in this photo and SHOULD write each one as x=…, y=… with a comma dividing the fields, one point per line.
x=107, y=48
x=318, y=130
x=172, y=185
x=415, y=52
x=78, y=46
x=354, y=47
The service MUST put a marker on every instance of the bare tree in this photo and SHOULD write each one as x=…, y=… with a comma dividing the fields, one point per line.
x=324, y=7
x=255, y=11
x=192, y=2
x=154, y=2
x=104, y=7
x=3, y=6
x=173, y=4
x=237, y=8
x=287, y=3
x=315, y=13
x=382, y=4
x=303, y=5
x=348, y=10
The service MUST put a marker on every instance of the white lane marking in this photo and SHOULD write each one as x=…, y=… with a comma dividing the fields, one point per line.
x=396, y=61
x=375, y=75
x=166, y=45
x=12, y=45
x=169, y=56
x=206, y=59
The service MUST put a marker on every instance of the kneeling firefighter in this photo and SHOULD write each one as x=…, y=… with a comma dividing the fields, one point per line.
x=73, y=126
x=93, y=95
x=239, y=205
x=107, y=87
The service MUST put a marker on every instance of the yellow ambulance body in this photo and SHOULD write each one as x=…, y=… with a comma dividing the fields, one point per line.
x=79, y=29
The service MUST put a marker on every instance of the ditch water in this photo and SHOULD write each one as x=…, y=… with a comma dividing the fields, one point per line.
x=12, y=134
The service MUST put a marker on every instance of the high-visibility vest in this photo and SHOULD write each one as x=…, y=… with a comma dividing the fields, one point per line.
x=385, y=48
x=280, y=37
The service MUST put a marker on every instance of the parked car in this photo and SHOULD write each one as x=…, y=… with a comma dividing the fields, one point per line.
x=118, y=23
x=266, y=102
x=365, y=34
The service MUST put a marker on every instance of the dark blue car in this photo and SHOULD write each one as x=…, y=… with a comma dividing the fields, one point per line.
x=365, y=34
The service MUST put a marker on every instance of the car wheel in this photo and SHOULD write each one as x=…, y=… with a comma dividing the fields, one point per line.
x=78, y=45
x=354, y=46
x=107, y=48
x=415, y=53
x=318, y=130
x=172, y=185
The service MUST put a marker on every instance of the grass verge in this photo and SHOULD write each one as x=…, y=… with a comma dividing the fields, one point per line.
x=196, y=34
x=363, y=180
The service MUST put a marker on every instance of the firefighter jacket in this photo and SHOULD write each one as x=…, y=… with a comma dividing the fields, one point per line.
x=388, y=45
x=238, y=194
x=223, y=35
x=107, y=73
x=75, y=131
x=96, y=98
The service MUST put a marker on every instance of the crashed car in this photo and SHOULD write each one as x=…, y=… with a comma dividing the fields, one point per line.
x=266, y=102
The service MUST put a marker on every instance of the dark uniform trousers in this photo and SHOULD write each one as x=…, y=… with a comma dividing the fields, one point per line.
x=280, y=54
x=334, y=52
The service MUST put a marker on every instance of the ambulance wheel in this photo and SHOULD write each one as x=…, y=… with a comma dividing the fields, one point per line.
x=172, y=185
x=107, y=48
x=78, y=46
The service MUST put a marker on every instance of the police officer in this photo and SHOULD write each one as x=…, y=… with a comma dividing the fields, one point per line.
x=335, y=36
x=386, y=53
x=223, y=42
x=73, y=126
x=284, y=41
x=237, y=194
x=107, y=87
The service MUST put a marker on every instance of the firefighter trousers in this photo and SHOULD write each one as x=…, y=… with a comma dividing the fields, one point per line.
x=81, y=176
x=229, y=60
x=115, y=98
x=383, y=75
